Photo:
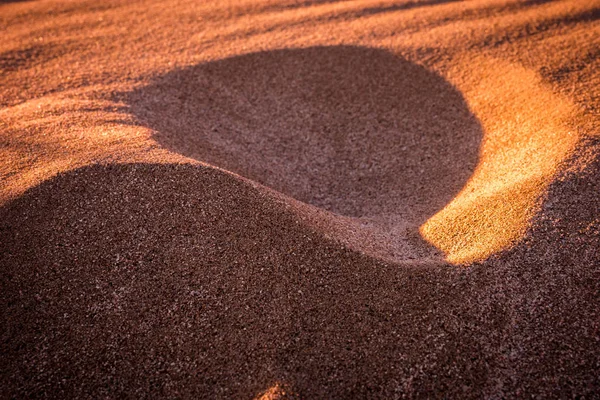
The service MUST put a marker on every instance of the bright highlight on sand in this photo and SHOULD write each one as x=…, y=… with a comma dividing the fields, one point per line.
x=529, y=131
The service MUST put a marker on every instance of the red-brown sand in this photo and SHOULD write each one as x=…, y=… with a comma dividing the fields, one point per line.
x=300, y=199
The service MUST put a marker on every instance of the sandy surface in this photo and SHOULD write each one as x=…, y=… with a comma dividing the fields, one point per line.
x=300, y=199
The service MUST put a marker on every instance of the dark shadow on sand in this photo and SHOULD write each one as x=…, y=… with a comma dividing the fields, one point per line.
x=183, y=281
x=404, y=6
x=357, y=131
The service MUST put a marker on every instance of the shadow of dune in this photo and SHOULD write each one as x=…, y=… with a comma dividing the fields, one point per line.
x=356, y=131
x=25, y=58
x=552, y=283
x=184, y=281
x=289, y=5
x=405, y=6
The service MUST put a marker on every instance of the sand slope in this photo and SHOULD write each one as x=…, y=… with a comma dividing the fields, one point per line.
x=314, y=199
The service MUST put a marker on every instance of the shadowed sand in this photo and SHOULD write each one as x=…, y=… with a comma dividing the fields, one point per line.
x=355, y=131
x=299, y=199
x=191, y=281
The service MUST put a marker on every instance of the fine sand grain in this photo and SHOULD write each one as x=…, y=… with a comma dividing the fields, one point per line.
x=300, y=199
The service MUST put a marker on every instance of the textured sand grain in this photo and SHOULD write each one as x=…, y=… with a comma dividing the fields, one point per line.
x=311, y=199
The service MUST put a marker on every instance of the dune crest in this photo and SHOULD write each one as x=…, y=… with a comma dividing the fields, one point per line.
x=529, y=132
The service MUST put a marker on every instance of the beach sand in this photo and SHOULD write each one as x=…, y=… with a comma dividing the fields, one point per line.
x=300, y=199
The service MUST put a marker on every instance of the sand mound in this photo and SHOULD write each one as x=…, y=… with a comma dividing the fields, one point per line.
x=365, y=134
x=185, y=280
x=267, y=199
x=355, y=131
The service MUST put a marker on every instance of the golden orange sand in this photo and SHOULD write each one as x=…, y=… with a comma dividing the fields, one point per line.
x=529, y=131
x=275, y=392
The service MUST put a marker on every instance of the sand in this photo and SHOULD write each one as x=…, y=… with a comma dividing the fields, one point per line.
x=300, y=199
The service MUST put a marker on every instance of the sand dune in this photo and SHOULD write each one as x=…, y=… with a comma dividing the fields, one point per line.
x=313, y=199
x=352, y=130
